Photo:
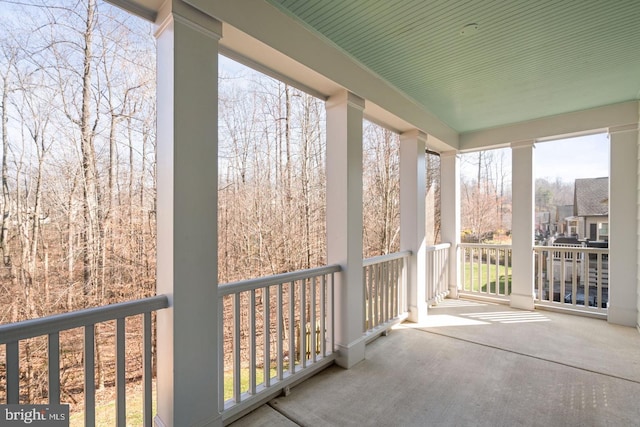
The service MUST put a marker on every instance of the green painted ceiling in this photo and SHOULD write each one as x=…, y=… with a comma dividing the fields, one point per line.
x=528, y=58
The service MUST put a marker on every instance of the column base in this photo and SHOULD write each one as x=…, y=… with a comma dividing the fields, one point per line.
x=453, y=293
x=215, y=422
x=523, y=302
x=351, y=354
x=418, y=314
x=622, y=316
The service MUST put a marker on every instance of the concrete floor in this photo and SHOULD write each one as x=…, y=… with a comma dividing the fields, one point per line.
x=476, y=364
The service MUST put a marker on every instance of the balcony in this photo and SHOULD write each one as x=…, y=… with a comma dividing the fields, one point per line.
x=276, y=345
x=459, y=362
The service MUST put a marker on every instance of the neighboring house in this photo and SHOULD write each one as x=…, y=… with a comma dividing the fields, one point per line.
x=543, y=223
x=566, y=222
x=591, y=208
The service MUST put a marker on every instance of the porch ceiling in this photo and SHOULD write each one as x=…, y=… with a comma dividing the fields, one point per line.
x=526, y=60
x=532, y=70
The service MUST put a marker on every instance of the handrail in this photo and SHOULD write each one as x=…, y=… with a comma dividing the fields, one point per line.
x=581, y=249
x=31, y=328
x=438, y=247
x=483, y=245
x=261, y=282
x=383, y=258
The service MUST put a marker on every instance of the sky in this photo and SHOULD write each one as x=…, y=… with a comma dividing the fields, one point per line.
x=580, y=157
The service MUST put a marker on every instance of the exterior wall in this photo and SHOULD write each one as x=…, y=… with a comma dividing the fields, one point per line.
x=585, y=226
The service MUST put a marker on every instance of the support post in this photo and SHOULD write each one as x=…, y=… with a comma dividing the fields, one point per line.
x=623, y=226
x=522, y=228
x=450, y=214
x=412, y=218
x=344, y=221
x=187, y=145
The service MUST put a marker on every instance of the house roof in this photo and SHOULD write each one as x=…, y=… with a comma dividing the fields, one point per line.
x=591, y=197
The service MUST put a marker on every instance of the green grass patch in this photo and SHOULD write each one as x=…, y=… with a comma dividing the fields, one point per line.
x=487, y=281
x=244, y=379
x=106, y=412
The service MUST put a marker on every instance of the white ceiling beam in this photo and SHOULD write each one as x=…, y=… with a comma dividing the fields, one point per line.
x=583, y=122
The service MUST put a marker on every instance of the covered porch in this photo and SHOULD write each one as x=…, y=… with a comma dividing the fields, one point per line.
x=458, y=362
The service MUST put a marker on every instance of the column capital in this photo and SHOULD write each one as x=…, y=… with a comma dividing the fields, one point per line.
x=414, y=134
x=524, y=144
x=345, y=97
x=624, y=128
x=451, y=153
x=178, y=10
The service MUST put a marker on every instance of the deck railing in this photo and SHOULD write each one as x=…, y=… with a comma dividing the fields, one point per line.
x=12, y=334
x=486, y=270
x=437, y=272
x=385, y=288
x=572, y=278
x=273, y=331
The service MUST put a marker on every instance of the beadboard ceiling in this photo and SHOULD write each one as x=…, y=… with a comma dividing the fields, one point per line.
x=515, y=61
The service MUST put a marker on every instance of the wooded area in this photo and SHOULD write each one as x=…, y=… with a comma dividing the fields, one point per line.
x=78, y=162
x=79, y=174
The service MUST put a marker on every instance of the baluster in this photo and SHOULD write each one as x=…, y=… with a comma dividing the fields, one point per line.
x=236, y=348
x=89, y=377
x=147, y=374
x=323, y=315
x=314, y=334
x=13, y=372
x=266, y=327
x=54, y=367
x=252, y=341
x=280, y=332
x=121, y=408
x=292, y=333
x=303, y=323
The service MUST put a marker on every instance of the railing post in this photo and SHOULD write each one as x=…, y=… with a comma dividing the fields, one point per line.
x=522, y=225
x=187, y=149
x=344, y=221
x=450, y=216
x=623, y=225
x=412, y=219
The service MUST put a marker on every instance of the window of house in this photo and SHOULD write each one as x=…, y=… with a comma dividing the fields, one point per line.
x=603, y=230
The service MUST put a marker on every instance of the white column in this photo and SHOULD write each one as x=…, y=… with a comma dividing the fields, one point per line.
x=522, y=227
x=412, y=218
x=450, y=213
x=344, y=221
x=187, y=116
x=623, y=225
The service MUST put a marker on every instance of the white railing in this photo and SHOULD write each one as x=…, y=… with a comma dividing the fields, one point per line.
x=437, y=272
x=385, y=291
x=273, y=331
x=51, y=326
x=486, y=270
x=572, y=278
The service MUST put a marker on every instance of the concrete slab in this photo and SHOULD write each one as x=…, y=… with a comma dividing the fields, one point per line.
x=483, y=365
x=264, y=416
